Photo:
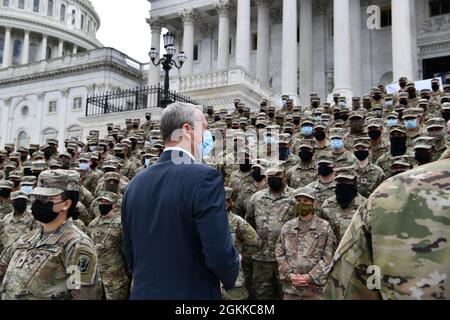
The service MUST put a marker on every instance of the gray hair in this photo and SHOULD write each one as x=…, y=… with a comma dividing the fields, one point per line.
x=175, y=116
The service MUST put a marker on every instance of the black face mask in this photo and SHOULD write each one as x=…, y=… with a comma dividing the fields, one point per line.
x=256, y=175
x=148, y=118
x=36, y=174
x=20, y=205
x=305, y=155
x=23, y=158
x=16, y=183
x=93, y=165
x=271, y=114
x=446, y=115
x=245, y=167
x=47, y=154
x=27, y=172
x=398, y=146
x=345, y=117
x=43, y=212
x=31, y=152
x=109, y=129
x=5, y=193
x=120, y=155
x=337, y=116
x=423, y=157
x=374, y=134
x=133, y=144
x=105, y=208
x=315, y=104
x=320, y=135
x=284, y=153
x=296, y=122
x=402, y=84
x=345, y=193
x=275, y=184
x=362, y=154
x=135, y=126
x=325, y=171
x=435, y=87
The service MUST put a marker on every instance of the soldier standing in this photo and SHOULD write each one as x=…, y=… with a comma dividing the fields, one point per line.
x=325, y=185
x=6, y=187
x=305, y=172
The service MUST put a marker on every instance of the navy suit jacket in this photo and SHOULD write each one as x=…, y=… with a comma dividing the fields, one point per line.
x=177, y=239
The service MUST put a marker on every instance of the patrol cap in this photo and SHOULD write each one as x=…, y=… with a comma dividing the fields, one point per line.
x=435, y=123
x=403, y=95
x=108, y=196
x=38, y=166
x=305, y=143
x=16, y=175
x=402, y=161
x=409, y=113
x=392, y=115
x=345, y=173
x=435, y=81
x=337, y=133
x=22, y=149
x=120, y=147
x=14, y=155
x=367, y=97
x=28, y=181
x=410, y=84
x=403, y=79
x=285, y=138
x=111, y=164
x=398, y=128
x=275, y=167
x=324, y=158
x=19, y=195
x=305, y=192
x=364, y=142
x=6, y=184
x=424, y=143
x=307, y=121
x=54, y=182
x=111, y=176
x=33, y=147
x=9, y=145
x=374, y=123
x=10, y=165
x=84, y=157
x=355, y=114
x=261, y=164
x=445, y=106
x=228, y=192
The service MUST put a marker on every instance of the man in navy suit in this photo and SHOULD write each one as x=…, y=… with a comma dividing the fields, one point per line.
x=176, y=236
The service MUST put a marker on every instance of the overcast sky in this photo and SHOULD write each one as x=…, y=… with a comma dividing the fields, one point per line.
x=123, y=26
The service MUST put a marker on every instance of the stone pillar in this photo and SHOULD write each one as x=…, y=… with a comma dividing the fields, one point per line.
x=342, y=49
x=306, y=52
x=60, y=48
x=243, y=34
x=5, y=120
x=188, y=17
x=26, y=48
x=223, y=55
x=263, y=53
x=289, y=64
x=62, y=115
x=402, y=42
x=75, y=49
x=155, y=26
x=44, y=47
x=7, y=48
x=355, y=34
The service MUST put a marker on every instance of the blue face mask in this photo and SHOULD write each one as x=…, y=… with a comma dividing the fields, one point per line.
x=342, y=104
x=269, y=140
x=318, y=118
x=307, y=131
x=206, y=147
x=147, y=162
x=391, y=122
x=26, y=189
x=411, y=124
x=336, y=144
x=84, y=166
x=388, y=104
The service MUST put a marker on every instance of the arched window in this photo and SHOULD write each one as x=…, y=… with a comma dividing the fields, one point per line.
x=33, y=52
x=74, y=14
x=21, y=4
x=74, y=132
x=36, y=5
x=6, y=3
x=48, y=53
x=62, y=13
x=89, y=26
x=2, y=44
x=82, y=22
x=50, y=8
x=49, y=133
x=22, y=139
x=17, y=51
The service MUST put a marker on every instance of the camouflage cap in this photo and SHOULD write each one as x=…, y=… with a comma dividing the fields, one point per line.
x=345, y=173
x=111, y=176
x=410, y=84
x=108, y=196
x=285, y=138
x=52, y=141
x=337, y=133
x=84, y=157
x=65, y=154
x=367, y=97
x=38, y=166
x=374, y=122
x=47, y=146
x=10, y=165
x=392, y=115
x=120, y=147
x=6, y=184
x=306, y=143
x=398, y=128
x=72, y=146
x=33, y=147
x=409, y=113
x=321, y=125
x=260, y=163
x=9, y=145
x=54, y=164
x=403, y=95
x=403, y=79
x=325, y=158
x=435, y=123
x=364, y=142
x=22, y=149
x=27, y=165
x=424, y=143
x=19, y=195
x=28, y=181
x=54, y=182
x=3, y=153
x=435, y=81
x=275, y=167
x=111, y=164
x=14, y=155
x=305, y=192
x=307, y=121
x=16, y=175
x=355, y=114
x=228, y=192
x=445, y=106
x=402, y=161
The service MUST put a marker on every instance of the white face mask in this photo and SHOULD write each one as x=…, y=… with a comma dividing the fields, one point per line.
x=84, y=166
x=147, y=162
x=26, y=189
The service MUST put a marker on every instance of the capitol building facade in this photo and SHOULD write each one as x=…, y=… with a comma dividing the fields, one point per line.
x=51, y=61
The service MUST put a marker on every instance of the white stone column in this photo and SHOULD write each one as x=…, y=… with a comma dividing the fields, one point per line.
x=5, y=120
x=223, y=55
x=44, y=47
x=402, y=42
x=62, y=115
x=188, y=17
x=263, y=53
x=7, y=48
x=26, y=48
x=243, y=34
x=155, y=26
x=355, y=34
x=60, y=48
x=306, y=52
x=289, y=65
x=75, y=49
x=342, y=49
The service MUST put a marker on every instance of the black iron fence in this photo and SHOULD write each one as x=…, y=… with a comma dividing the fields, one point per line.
x=132, y=99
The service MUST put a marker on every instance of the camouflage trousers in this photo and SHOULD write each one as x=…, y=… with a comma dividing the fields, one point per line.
x=288, y=297
x=116, y=285
x=239, y=293
x=266, y=281
x=247, y=266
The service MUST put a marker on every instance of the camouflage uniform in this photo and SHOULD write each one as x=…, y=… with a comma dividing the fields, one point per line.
x=5, y=204
x=240, y=181
x=402, y=230
x=267, y=213
x=323, y=191
x=106, y=233
x=303, y=173
x=369, y=178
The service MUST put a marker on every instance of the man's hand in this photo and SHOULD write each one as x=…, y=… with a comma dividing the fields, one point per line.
x=301, y=280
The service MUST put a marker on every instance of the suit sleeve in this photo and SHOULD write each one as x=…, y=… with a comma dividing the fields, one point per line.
x=127, y=244
x=213, y=228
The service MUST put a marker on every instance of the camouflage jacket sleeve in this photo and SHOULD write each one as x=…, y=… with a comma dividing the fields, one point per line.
x=81, y=264
x=250, y=214
x=329, y=216
x=349, y=270
x=5, y=258
x=284, y=268
x=249, y=238
x=320, y=271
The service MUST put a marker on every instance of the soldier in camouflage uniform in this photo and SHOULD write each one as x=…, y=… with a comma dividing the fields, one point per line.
x=267, y=212
x=378, y=147
x=411, y=121
x=106, y=233
x=369, y=175
x=436, y=128
x=305, y=172
x=424, y=150
x=57, y=260
x=16, y=223
x=241, y=179
x=406, y=242
x=325, y=185
x=341, y=156
x=304, y=250
x=246, y=242
x=321, y=141
x=5, y=197
x=356, y=123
